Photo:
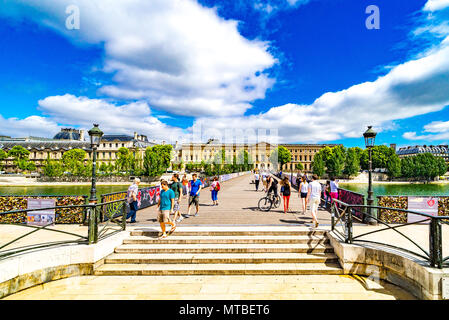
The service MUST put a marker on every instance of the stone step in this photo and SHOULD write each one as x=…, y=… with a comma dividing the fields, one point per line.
x=154, y=233
x=223, y=248
x=219, y=269
x=210, y=258
x=175, y=239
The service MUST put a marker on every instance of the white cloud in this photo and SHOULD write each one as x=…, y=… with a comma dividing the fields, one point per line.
x=413, y=88
x=123, y=119
x=176, y=55
x=435, y=5
x=31, y=126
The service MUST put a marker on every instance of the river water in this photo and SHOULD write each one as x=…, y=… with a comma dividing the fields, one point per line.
x=400, y=189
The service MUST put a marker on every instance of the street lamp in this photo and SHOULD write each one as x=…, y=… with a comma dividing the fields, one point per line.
x=95, y=137
x=370, y=137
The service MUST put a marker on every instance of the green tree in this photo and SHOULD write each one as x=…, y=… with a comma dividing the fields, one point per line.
x=20, y=157
x=73, y=161
x=299, y=166
x=124, y=160
x=157, y=159
x=352, y=162
x=380, y=156
x=318, y=165
x=53, y=168
x=334, y=159
x=441, y=165
x=280, y=156
x=393, y=166
x=3, y=157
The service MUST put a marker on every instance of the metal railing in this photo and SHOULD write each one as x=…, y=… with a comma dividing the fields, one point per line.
x=342, y=224
x=95, y=230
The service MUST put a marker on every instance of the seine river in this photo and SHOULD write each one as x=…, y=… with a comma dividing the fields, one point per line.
x=400, y=189
x=75, y=190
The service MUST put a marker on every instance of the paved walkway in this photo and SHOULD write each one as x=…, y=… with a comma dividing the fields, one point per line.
x=238, y=205
x=321, y=287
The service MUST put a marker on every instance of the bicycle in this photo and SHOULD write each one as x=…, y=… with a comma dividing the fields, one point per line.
x=269, y=201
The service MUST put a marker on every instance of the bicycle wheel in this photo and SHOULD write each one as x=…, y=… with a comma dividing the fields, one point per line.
x=265, y=204
x=277, y=202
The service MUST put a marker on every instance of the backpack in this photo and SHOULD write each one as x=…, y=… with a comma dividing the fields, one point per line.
x=217, y=187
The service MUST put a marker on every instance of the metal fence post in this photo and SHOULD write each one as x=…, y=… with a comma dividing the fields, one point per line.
x=93, y=225
x=124, y=216
x=435, y=242
x=348, y=224
x=332, y=218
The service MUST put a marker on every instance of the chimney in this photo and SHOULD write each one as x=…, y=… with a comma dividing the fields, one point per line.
x=82, y=135
x=135, y=135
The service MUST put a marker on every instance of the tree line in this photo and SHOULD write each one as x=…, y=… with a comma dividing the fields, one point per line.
x=339, y=161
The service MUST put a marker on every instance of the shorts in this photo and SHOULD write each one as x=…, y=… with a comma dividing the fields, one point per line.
x=185, y=189
x=315, y=203
x=304, y=195
x=194, y=200
x=176, y=206
x=163, y=216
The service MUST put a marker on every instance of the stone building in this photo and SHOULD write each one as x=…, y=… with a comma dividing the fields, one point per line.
x=67, y=139
x=438, y=151
x=259, y=153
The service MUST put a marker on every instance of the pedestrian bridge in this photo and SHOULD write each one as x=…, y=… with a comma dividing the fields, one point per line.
x=229, y=251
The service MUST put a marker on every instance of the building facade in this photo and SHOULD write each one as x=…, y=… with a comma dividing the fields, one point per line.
x=438, y=151
x=42, y=149
x=259, y=153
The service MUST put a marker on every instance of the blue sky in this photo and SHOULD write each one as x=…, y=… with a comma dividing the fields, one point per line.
x=309, y=69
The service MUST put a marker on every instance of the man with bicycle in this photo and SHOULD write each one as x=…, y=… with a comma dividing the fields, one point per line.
x=272, y=186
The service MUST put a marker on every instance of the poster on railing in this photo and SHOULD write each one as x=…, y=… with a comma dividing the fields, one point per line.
x=41, y=217
x=427, y=205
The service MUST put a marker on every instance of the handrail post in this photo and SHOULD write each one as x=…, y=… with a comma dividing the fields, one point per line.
x=124, y=216
x=348, y=223
x=93, y=226
x=332, y=217
x=435, y=242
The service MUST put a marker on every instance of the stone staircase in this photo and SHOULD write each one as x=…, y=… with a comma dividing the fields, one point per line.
x=223, y=253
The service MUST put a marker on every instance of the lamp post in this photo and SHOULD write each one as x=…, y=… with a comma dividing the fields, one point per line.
x=95, y=137
x=370, y=137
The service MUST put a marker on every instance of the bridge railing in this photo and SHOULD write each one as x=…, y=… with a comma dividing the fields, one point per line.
x=96, y=231
x=342, y=224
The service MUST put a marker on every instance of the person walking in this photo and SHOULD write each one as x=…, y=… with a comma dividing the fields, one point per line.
x=214, y=188
x=286, y=192
x=327, y=193
x=314, y=197
x=131, y=197
x=194, y=197
x=257, y=180
x=165, y=206
x=333, y=186
x=176, y=186
x=303, y=192
x=185, y=185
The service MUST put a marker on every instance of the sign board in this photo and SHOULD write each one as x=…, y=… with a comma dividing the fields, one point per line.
x=422, y=204
x=445, y=288
x=41, y=217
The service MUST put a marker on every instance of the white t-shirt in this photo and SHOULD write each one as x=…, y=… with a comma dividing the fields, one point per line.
x=315, y=190
x=304, y=187
x=256, y=176
x=132, y=190
x=334, y=186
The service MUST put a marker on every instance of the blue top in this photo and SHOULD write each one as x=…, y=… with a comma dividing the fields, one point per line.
x=195, y=186
x=166, y=197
